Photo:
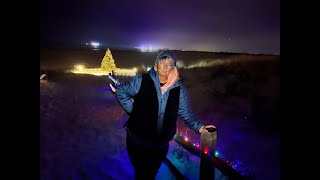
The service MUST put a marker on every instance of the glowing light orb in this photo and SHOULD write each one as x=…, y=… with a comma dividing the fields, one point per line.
x=216, y=153
x=79, y=67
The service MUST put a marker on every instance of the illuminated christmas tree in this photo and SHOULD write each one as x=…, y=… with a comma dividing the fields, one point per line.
x=107, y=63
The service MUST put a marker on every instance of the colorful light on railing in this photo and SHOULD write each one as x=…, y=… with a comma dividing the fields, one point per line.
x=236, y=165
x=205, y=150
x=216, y=153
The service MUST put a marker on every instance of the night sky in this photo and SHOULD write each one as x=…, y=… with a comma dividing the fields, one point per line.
x=241, y=26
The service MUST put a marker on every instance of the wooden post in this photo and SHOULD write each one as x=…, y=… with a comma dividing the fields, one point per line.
x=208, y=145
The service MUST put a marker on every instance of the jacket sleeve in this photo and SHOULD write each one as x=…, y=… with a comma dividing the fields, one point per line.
x=125, y=92
x=186, y=114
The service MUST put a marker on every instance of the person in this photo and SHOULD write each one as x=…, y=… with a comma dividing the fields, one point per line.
x=154, y=101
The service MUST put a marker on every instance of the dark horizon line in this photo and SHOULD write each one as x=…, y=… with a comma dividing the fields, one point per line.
x=59, y=45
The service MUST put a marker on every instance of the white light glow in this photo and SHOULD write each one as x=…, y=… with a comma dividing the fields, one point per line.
x=149, y=48
x=79, y=67
x=100, y=72
x=95, y=44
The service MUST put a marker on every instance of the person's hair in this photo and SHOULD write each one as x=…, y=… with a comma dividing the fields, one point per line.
x=165, y=57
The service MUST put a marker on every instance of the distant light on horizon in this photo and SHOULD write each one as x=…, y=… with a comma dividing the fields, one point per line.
x=95, y=45
x=149, y=48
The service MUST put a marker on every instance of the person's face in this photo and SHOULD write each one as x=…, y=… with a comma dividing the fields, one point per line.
x=165, y=66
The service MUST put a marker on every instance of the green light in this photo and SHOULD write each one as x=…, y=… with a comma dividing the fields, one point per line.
x=216, y=153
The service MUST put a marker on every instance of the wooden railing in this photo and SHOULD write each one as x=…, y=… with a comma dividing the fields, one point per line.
x=208, y=162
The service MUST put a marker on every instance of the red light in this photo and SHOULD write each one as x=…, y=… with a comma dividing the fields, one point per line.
x=205, y=150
